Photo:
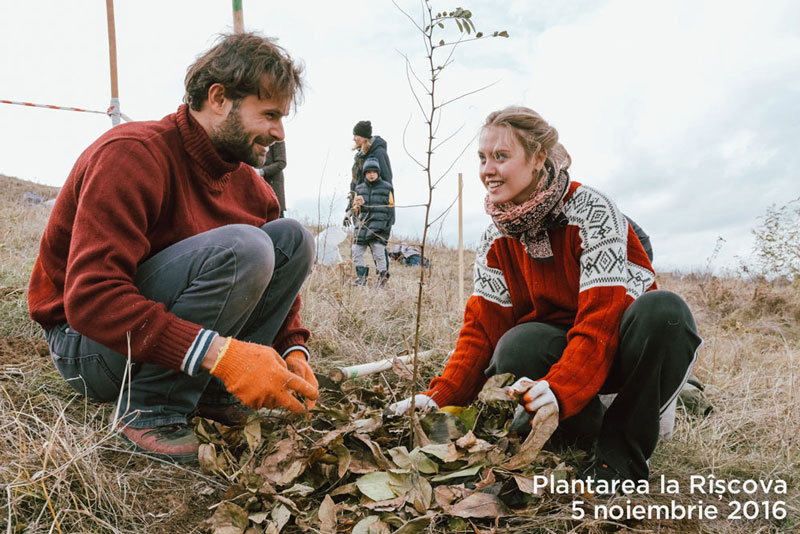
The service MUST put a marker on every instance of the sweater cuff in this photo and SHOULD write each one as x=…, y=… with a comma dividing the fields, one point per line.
x=441, y=396
x=197, y=352
x=173, y=344
x=289, y=342
x=293, y=348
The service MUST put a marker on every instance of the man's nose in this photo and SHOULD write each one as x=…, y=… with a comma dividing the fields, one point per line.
x=276, y=130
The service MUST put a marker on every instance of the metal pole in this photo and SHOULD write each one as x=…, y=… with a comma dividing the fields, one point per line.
x=238, y=17
x=460, y=243
x=112, y=58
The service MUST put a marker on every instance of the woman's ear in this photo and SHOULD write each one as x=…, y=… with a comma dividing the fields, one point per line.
x=539, y=159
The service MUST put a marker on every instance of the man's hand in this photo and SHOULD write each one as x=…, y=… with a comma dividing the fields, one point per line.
x=532, y=394
x=358, y=201
x=297, y=363
x=259, y=377
x=421, y=402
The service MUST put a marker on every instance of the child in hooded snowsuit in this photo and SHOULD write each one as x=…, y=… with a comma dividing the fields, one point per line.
x=374, y=205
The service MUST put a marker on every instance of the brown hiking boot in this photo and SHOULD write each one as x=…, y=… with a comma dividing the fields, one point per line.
x=227, y=414
x=172, y=442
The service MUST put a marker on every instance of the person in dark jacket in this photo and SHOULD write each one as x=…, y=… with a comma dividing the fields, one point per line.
x=272, y=171
x=367, y=146
x=374, y=205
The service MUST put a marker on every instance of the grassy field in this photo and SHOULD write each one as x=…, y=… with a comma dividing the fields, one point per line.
x=61, y=470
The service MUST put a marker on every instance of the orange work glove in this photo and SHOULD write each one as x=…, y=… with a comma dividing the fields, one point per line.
x=297, y=363
x=259, y=377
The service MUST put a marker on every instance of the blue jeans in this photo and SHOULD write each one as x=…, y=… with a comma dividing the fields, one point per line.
x=238, y=280
x=416, y=259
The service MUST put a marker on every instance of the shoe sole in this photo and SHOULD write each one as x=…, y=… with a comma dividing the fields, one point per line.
x=183, y=459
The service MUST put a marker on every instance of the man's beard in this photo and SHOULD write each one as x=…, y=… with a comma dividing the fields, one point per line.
x=233, y=142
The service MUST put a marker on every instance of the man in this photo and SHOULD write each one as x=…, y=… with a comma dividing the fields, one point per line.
x=165, y=249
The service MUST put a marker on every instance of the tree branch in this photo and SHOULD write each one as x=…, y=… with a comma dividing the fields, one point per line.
x=414, y=22
x=405, y=147
x=449, y=137
x=444, y=212
x=469, y=93
x=455, y=160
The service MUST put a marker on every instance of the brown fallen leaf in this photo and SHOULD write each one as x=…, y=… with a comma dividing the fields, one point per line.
x=388, y=505
x=270, y=465
x=487, y=479
x=496, y=389
x=415, y=525
x=379, y=527
x=289, y=475
x=467, y=440
x=327, y=516
x=480, y=505
x=342, y=455
x=445, y=496
x=380, y=459
x=361, y=425
x=420, y=438
x=525, y=485
x=543, y=425
x=401, y=369
x=208, y=459
x=228, y=518
x=362, y=462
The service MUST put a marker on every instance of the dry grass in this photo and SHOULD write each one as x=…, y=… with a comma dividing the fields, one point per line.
x=62, y=471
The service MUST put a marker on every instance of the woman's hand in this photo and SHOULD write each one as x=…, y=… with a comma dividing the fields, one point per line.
x=421, y=403
x=358, y=201
x=532, y=394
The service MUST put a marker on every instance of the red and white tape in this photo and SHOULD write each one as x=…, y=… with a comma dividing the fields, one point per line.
x=109, y=111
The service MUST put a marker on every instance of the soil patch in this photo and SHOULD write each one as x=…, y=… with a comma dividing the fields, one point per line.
x=14, y=350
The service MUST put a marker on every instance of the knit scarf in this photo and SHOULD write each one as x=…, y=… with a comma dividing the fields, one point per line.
x=530, y=220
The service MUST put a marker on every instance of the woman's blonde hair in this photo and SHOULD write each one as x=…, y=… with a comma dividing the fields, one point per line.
x=364, y=149
x=533, y=133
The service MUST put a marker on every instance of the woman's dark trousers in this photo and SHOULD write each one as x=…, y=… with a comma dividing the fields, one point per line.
x=658, y=342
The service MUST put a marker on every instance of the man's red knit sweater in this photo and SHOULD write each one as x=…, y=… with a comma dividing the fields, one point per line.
x=599, y=267
x=138, y=189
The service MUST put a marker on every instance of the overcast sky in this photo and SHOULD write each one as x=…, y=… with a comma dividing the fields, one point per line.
x=686, y=112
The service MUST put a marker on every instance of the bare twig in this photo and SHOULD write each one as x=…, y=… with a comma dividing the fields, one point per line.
x=455, y=160
x=459, y=97
x=405, y=147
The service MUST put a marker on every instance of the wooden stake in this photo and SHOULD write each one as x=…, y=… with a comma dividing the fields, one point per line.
x=238, y=17
x=460, y=243
x=112, y=58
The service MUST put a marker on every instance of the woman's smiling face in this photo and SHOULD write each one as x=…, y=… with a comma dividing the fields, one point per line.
x=505, y=170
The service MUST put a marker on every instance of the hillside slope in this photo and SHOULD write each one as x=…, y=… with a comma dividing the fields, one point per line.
x=62, y=470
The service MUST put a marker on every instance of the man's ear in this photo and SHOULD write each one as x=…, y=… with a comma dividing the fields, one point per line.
x=217, y=102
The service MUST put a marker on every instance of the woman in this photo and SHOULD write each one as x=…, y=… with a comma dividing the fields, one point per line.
x=565, y=299
x=367, y=146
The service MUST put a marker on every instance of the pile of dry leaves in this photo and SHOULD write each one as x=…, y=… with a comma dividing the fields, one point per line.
x=348, y=468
